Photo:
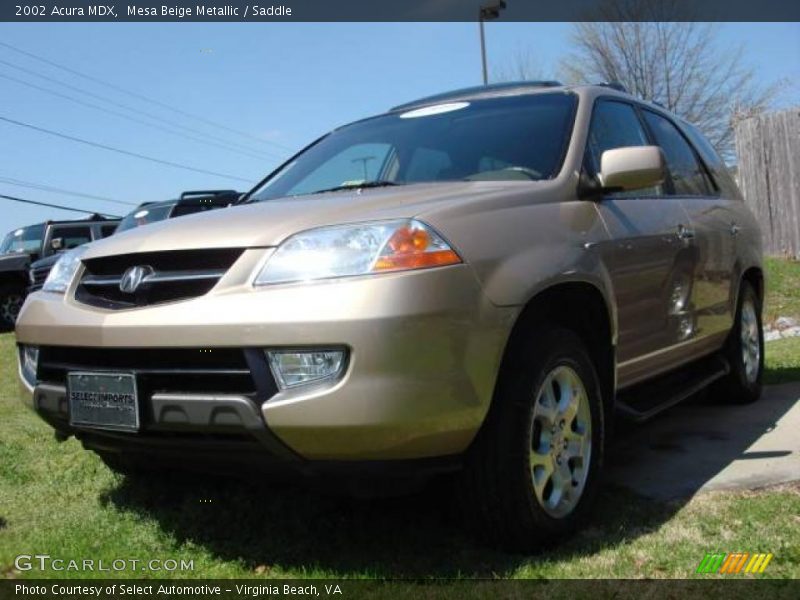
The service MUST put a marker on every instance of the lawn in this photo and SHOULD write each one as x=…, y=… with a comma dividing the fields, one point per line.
x=783, y=289
x=59, y=499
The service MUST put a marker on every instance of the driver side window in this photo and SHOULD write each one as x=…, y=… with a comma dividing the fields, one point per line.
x=615, y=125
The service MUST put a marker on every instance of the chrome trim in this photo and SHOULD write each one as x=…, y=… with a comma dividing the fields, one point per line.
x=157, y=277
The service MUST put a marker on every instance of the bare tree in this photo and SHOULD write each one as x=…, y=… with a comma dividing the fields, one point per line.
x=679, y=65
x=524, y=66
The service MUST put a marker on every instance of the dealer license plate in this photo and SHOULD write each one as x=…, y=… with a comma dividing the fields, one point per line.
x=103, y=401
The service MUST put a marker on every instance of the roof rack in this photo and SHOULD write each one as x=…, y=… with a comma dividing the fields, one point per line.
x=614, y=85
x=477, y=90
x=189, y=194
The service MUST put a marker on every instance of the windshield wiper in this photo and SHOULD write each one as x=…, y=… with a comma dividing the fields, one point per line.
x=358, y=186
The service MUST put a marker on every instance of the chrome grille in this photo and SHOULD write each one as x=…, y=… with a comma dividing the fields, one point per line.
x=38, y=277
x=113, y=282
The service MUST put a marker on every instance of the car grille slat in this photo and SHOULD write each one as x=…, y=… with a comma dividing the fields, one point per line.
x=187, y=370
x=170, y=276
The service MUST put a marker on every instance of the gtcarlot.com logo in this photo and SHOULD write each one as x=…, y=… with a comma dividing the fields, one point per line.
x=46, y=562
x=734, y=563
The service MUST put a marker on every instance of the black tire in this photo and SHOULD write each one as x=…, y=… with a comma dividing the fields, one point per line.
x=11, y=298
x=498, y=492
x=737, y=387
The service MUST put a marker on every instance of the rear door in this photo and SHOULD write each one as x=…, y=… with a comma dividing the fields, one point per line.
x=645, y=256
x=713, y=227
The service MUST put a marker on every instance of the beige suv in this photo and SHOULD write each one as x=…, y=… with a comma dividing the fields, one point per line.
x=477, y=281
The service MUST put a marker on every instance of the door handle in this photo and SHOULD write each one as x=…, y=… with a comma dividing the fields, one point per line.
x=735, y=229
x=685, y=233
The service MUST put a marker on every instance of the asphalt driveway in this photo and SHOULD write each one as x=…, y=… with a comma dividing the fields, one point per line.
x=706, y=444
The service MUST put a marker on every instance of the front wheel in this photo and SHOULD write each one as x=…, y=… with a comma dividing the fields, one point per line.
x=11, y=299
x=533, y=471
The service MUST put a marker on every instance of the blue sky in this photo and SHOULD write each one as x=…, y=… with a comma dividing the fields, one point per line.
x=284, y=83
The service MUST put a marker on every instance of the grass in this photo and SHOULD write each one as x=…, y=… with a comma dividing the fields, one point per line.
x=783, y=289
x=59, y=499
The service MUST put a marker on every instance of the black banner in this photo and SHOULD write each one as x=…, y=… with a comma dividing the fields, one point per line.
x=401, y=10
x=346, y=589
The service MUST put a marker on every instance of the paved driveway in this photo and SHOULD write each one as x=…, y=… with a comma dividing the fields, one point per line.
x=706, y=445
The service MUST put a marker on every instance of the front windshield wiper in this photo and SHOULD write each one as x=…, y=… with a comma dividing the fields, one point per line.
x=358, y=186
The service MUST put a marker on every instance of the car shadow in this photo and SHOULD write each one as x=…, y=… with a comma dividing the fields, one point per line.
x=270, y=529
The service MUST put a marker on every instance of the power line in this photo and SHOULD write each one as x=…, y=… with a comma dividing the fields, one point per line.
x=149, y=115
x=143, y=97
x=58, y=206
x=49, y=188
x=121, y=151
x=129, y=118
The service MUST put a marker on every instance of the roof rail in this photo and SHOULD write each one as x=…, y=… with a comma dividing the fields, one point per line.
x=477, y=91
x=614, y=85
x=185, y=195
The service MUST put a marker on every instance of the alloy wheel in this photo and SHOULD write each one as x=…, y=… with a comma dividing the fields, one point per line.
x=561, y=441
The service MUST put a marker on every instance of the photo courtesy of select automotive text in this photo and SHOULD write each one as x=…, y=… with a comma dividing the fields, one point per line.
x=453, y=299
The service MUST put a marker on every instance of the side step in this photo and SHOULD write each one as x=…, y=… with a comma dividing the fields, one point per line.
x=646, y=400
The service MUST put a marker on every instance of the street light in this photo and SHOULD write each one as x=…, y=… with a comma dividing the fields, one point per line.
x=487, y=12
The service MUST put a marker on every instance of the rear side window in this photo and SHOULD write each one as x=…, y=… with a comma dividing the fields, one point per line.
x=107, y=230
x=72, y=236
x=719, y=170
x=688, y=176
x=615, y=125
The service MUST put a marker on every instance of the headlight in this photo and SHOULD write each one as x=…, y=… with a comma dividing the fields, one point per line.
x=63, y=271
x=358, y=249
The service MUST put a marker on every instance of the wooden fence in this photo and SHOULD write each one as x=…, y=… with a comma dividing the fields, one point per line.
x=768, y=148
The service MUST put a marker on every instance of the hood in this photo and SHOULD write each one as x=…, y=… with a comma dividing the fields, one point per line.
x=14, y=261
x=266, y=224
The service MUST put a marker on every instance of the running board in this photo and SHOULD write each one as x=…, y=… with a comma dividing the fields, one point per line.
x=646, y=400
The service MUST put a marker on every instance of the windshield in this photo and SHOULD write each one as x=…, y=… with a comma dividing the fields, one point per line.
x=144, y=216
x=25, y=239
x=520, y=137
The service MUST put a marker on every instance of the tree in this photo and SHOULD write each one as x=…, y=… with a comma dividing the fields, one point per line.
x=678, y=65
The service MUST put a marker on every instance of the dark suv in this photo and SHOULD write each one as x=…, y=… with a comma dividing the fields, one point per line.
x=25, y=245
x=144, y=214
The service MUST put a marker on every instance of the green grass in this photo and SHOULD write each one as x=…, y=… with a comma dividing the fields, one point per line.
x=61, y=500
x=783, y=289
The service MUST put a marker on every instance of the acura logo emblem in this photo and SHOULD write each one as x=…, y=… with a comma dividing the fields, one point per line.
x=134, y=277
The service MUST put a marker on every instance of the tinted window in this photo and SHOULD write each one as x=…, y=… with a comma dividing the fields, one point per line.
x=25, y=239
x=107, y=230
x=614, y=125
x=687, y=173
x=712, y=159
x=72, y=236
x=521, y=137
x=145, y=215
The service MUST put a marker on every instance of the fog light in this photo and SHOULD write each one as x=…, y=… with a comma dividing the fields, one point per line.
x=292, y=368
x=30, y=363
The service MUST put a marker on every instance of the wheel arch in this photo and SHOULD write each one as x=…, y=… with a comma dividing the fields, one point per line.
x=582, y=307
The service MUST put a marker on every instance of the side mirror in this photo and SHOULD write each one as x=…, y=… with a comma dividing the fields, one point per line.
x=57, y=244
x=632, y=168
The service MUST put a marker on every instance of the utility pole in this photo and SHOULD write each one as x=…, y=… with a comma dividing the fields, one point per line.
x=488, y=11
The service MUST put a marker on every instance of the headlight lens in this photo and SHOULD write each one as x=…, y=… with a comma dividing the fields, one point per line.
x=63, y=271
x=358, y=249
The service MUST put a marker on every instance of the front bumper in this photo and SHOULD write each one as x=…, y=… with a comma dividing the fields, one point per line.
x=424, y=350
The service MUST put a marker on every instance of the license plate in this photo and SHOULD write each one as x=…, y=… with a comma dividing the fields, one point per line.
x=103, y=401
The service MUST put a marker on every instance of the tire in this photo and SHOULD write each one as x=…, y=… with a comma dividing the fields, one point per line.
x=11, y=298
x=744, y=351
x=505, y=483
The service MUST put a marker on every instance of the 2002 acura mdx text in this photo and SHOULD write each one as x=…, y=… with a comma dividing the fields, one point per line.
x=475, y=281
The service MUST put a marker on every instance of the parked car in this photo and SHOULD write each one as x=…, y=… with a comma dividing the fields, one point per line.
x=27, y=244
x=147, y=212
x=477, y=281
